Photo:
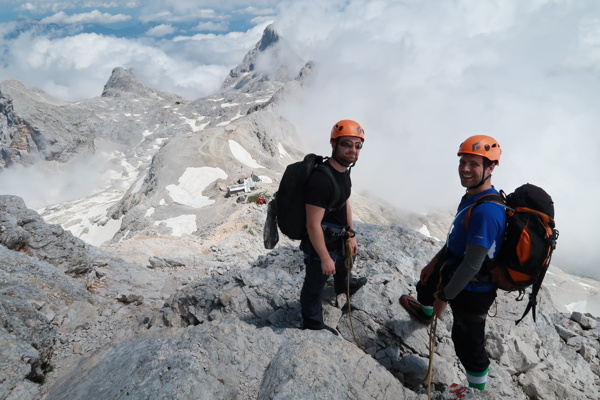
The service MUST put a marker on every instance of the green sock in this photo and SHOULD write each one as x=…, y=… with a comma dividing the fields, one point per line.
x=427, y=310
x=480, y=386
x=478, y=380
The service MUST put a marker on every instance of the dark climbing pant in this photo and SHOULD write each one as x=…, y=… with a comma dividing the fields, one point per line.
x=469, y=310
x=314, y=282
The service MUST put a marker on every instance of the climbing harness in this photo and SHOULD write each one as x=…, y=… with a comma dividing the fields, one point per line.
x=334, y=232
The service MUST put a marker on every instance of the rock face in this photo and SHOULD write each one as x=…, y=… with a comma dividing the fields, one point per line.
x=19, y=140
x=267, y=67
x=235, y=334
x=182, y=300
x=34, y=126
x=122, y=83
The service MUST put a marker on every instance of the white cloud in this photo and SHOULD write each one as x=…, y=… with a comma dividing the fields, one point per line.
x=422, y=76
x=94, y=16
x=49, y=184
x=267, y=19
x=161, y=30
x=44, y=6
x=77, y=67
x=101, y=4
x=258, y=11
x=190, y=13
x=212, y=26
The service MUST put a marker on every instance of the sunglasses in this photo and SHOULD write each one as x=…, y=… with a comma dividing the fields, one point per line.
x=350, y=143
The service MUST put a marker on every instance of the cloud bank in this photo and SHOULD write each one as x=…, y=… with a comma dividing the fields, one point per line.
x=71, y=52
x=423, y=76
x=94, y=16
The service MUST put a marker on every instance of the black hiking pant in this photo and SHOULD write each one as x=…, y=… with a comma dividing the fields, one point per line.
x=469, y=310
x=314, y=283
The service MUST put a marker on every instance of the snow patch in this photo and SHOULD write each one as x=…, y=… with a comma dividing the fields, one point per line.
x=184, y=224
x=282, y=152
x=192, y=183
x=571, y=293
x=579, y=305
x=425, y=231
x=147, y=132
x=193, y=123
x=86, y=218
x=99, y=234
x=242, y=155
x=159, y=142
x=138, y=184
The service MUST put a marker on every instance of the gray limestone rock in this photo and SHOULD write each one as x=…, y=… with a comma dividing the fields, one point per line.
x=218, y=316
x=24, y=230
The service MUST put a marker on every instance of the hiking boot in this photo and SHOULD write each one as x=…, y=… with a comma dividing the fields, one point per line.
x=355, y=284
x=326, y=327
x=415, y=308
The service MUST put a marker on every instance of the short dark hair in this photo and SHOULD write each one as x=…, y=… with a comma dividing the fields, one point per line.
x=487, y=162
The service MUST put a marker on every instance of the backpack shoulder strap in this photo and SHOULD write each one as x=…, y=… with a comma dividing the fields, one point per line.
x=488, y=198
x=336, y=189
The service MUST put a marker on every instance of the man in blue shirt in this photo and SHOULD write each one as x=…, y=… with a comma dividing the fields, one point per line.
x=457, y=274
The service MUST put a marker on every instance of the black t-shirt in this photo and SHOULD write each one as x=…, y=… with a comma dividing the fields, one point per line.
x=319, y=192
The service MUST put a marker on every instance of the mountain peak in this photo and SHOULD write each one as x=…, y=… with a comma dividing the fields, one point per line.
x=269, y=38
x=270, y=64
x=122, y=81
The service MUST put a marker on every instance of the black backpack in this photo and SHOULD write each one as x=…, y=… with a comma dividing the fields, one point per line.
x=287, y=209
x=529, y=240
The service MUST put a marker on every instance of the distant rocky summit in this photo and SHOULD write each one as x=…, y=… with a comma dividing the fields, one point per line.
x=158, y=285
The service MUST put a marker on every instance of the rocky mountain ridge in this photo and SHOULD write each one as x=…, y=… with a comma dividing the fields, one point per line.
x=182, y=301
x=81, y=323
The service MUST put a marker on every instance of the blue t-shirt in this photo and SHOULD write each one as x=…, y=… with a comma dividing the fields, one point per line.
x=486, y=227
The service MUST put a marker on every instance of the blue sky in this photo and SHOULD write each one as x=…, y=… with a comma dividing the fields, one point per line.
x=420, y=76
x=182, y=16
x=69, y=48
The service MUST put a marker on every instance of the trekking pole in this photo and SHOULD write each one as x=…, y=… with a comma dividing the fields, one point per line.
x=349, y=263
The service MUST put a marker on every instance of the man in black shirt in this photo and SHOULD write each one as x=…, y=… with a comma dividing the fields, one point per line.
x=324, y=255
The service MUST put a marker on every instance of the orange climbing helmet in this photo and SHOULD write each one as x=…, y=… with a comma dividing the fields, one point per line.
x=481, y=145
x=347, y=127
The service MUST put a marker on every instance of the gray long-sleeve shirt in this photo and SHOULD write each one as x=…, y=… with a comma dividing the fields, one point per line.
x=466, y=271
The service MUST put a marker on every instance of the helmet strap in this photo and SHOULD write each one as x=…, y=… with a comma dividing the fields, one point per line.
x=480, y=183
